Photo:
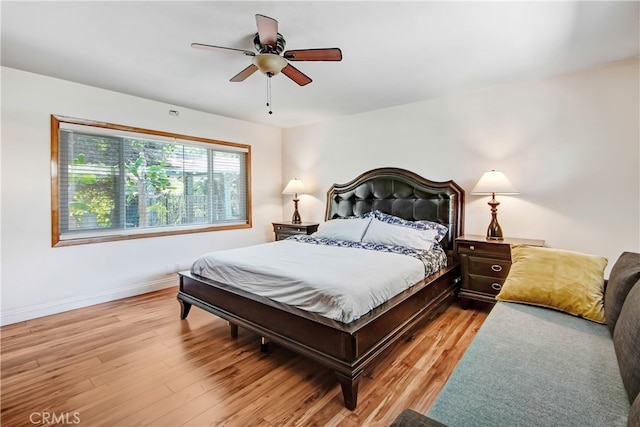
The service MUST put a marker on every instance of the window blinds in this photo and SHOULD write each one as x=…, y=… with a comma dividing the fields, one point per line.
x=115, y=181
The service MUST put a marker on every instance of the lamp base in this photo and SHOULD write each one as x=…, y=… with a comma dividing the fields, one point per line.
x=494, y=231
x=497, y=238
x=296, y=219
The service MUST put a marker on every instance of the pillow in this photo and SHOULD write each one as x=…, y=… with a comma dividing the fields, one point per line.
x=624, y=274
x=563, y=280
x=626, y=341
x=384, y=233
x=440, y=229
x=351, y=229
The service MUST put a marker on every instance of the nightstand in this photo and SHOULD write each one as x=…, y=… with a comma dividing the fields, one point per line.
x=286, y=229
x=485, y=265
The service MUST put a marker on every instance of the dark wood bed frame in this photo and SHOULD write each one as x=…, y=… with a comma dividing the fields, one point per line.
x=348, y=349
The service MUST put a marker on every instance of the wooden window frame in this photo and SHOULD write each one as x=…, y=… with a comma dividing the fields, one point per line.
x=57, y=241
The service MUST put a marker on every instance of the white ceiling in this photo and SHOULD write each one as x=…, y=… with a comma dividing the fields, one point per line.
x=393, y=52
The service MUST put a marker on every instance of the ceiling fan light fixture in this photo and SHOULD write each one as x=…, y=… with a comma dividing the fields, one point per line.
x=269, y=64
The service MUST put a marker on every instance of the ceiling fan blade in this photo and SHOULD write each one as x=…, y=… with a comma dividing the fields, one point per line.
x=296, y=75
x=244, y=73
x=331, y=54
x=211, y=47
x=267, y=30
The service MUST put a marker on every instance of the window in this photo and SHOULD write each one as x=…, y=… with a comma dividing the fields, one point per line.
x=113, y=182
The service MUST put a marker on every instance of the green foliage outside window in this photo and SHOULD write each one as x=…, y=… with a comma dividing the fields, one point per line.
x=156, y=191
x=110, y=180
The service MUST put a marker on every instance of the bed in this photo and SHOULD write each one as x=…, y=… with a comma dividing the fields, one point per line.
x=349, y=347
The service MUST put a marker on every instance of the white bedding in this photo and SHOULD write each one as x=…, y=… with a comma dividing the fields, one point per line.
x=341, y=283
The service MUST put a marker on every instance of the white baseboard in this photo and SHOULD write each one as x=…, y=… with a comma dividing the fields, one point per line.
x=33, y=312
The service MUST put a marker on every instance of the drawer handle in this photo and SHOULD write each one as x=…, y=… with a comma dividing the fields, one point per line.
x=299, y=229
x=496, y=267
x=496, y=286
x=279, y=228
x=472, y=248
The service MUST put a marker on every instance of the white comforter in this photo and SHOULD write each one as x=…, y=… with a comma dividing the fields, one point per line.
x=340, y=283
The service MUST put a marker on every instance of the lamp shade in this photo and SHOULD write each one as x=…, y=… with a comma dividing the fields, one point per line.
x=294, y=186
x=493, y=182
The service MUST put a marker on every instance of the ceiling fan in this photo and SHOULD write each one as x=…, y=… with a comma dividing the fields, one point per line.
x=269, y=58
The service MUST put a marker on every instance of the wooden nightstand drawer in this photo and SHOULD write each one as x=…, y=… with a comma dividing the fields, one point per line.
x=283, y=230
x=484, y=248
x=288, y=228
x=490, y=267
x=485, y=285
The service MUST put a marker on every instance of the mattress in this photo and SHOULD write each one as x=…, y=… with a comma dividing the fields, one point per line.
x=335, y=279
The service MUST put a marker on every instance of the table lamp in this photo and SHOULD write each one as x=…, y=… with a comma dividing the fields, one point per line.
x=494, y=182
x=294, y=186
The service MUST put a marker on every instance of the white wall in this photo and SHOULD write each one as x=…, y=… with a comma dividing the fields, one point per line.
x=38, y=279
x=569, y=144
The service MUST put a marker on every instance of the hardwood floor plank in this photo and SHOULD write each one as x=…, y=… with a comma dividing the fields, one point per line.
x=29, y=386
x=134, y=362
x=250, y=386
x=308, y=381
x=164, y=406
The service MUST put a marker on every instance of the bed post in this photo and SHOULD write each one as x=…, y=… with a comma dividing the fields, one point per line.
x=349, y=385
x=184, y=309
x=233, y=330
x=264, y=345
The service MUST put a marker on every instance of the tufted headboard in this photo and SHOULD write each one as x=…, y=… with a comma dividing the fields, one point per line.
x=401, y=193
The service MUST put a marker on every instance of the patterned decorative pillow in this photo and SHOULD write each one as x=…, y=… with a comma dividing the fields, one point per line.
x=441, y=230
x=384, y=233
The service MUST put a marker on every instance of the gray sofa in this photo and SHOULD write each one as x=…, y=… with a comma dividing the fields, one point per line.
x=533, y=366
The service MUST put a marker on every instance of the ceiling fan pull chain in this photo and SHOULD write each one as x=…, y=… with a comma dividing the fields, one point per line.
x=269, y=92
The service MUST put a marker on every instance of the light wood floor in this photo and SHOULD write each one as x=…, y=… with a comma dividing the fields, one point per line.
x=134, y=362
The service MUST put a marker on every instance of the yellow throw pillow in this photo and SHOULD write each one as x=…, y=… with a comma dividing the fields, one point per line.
x=563, y=280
